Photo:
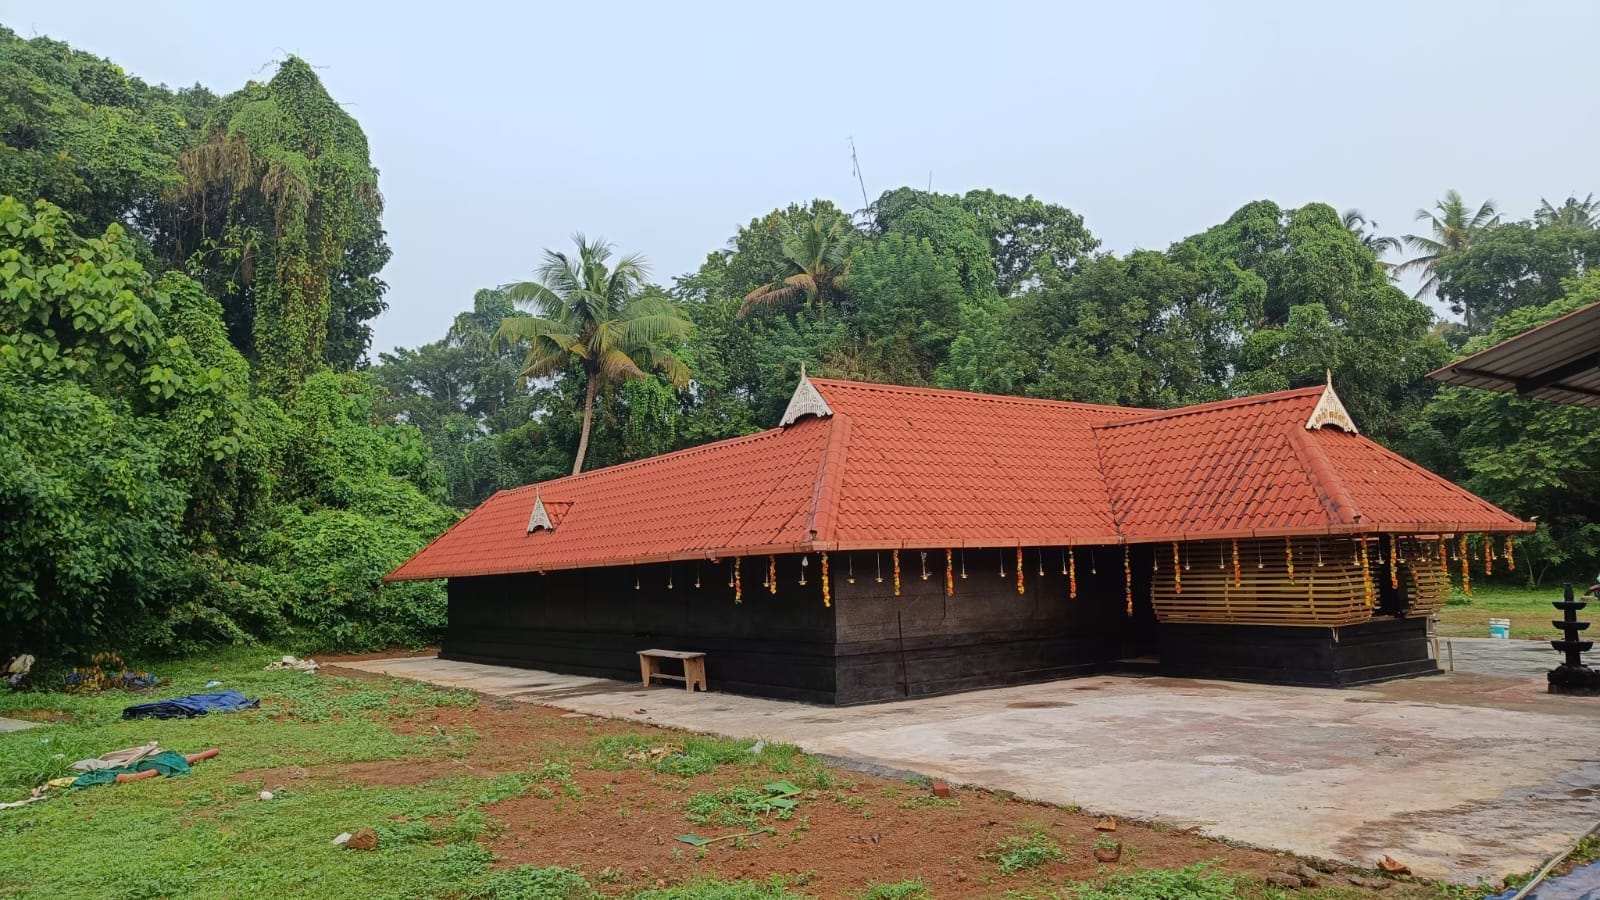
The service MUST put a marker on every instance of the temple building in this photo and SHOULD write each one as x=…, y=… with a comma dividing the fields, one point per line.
x=886, y=542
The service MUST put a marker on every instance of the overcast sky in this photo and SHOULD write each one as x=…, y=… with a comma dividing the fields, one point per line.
x=500, y=129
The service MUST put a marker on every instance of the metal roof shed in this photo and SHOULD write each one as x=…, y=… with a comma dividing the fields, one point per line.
x=1558, y=361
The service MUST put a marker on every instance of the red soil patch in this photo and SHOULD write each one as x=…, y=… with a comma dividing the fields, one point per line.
x=837, y=842
x=620, y=830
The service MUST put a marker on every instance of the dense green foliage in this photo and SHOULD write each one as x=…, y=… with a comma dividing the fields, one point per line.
x=184, y=282
x=189, y=454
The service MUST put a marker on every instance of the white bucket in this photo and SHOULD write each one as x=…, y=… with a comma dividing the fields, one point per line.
x=1500, y=628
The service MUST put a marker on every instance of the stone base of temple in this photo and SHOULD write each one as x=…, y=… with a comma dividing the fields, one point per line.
x=1379, y=650
x=1581, y=681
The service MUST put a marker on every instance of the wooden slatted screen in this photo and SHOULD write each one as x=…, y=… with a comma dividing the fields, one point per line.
x=1425, y=579
x=1325, y=589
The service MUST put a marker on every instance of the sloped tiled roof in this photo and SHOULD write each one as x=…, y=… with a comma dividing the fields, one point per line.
x=923, y=468
x=1250, y=467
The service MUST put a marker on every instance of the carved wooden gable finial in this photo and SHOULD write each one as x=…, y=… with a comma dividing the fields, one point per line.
x=541, y=516
x=1330, y=411
x=806, y=401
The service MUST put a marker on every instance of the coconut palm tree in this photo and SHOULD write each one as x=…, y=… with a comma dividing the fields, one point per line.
x=818, y=256
x=1454, y=226
x=588, y=311
x=1583, y=213
x=1366, y=231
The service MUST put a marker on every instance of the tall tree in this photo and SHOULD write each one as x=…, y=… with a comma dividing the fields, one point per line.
x=1453, y=226
x=1515, y=265
x=1576, y=213
x=816, y=253
x=1366, y=231
x=280, y=214
x=595, y=314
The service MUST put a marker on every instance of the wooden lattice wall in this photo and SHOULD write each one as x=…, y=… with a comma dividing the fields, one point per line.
x=1306, y=581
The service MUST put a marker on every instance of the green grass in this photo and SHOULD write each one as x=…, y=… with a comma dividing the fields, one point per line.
x=740, y=805
x=1529, y=611
x=1196, y=882
x=1021, y=853
x=900, y=890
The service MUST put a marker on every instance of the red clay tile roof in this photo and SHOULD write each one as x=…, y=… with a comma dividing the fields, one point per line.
x=1250, y=468
x=922, y=468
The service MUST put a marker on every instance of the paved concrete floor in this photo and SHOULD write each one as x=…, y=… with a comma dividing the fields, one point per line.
x=14, y=724
x=1471, y=775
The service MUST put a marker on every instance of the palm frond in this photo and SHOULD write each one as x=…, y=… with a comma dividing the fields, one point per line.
x=769, y=295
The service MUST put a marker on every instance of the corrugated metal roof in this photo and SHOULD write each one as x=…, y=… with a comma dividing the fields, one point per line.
x=1559, y=361
x=884, y=466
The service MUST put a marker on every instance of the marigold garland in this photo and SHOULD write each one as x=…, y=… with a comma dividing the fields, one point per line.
x=772, y=574
x=1127, y=578
x=1511, y=561
x=1072, y=574
x=1177, y=571
x=1288, y=557
x=738, y=582
x=1366, y=575
x=1488, y=556
x=1236, y=579
x=827, y=589
x=896, y=573
x=1019, y=570
x=1444, y=558
x=949, y=573
x=1394, y=563
x=1466, y=568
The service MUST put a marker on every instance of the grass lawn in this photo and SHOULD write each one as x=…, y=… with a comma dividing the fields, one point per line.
x=478, y=798
x=1529, y=610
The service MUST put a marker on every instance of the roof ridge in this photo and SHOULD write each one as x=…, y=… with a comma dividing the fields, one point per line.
x=640, y=463
x=1214, y=405
x=1324, y=477
x=981, y=395
x=830, y=475
x=777, y=483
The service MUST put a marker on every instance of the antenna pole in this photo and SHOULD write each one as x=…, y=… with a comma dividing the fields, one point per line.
x=855, y=165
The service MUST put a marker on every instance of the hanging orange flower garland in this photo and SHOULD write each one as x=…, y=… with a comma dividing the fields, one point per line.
x=1394, y=562
x=1488, y=556
x=1019, y=570
x=1444, y=558
x=1072, y=574
x=1366, y=575
x=1511, y=561
x=738, y=582
x=1177, y=571
x=1466, y=568
x=827, y=588
x=1236, y=580
x=896, y=573
x=1127, y=578
x=1288, y=557
x=772, y=574
x=949, y=573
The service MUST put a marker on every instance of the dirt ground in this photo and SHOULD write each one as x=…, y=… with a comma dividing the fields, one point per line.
x=853, y=830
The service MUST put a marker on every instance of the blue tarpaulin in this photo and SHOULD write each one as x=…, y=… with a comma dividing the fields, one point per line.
x=191, y=706
x=1582, y=883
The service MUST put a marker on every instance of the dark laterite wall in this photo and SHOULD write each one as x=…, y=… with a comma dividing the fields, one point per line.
x=1321, y=657
x=593, y=622
x=986, y=634
x=873, y=646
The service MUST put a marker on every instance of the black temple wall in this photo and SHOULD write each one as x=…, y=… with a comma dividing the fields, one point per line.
x=594, y=622
x=986, y=634
x=1322, y=657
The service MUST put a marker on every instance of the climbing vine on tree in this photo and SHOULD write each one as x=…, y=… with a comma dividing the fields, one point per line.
x=281, y=211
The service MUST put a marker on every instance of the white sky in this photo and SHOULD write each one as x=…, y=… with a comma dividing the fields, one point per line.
x=502, y=128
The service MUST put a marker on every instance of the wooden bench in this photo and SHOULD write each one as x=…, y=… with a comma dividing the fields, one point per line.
x=694, y=667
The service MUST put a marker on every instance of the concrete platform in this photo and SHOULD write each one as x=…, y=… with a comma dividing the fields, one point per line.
x=14, y=724
x=1471, y=775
